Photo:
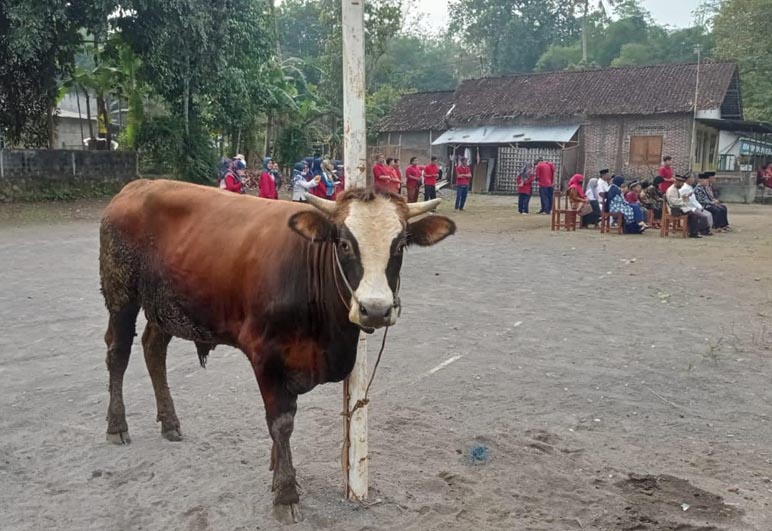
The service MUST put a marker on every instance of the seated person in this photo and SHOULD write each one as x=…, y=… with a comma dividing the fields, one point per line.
x=580, y=203
x=705, y=196
x=679, y=204
x=633, y=214
x=651, y=198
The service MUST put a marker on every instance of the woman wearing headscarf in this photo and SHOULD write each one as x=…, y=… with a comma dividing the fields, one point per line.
x=234, y=178
x=328, y=178
x=579, y=201
x=593, y=195
x=633, y=214
x=267, y=182
x=300, y=186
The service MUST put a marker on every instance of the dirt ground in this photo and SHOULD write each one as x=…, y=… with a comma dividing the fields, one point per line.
x=596, y=383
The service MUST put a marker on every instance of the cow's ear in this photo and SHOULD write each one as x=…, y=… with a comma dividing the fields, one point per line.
x=312, y=225
x=429, y=230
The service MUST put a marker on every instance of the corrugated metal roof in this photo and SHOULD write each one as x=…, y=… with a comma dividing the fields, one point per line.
x=504, y=134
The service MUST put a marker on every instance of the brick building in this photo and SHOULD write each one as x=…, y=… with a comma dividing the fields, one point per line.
x=412, y=126
x=625, y=119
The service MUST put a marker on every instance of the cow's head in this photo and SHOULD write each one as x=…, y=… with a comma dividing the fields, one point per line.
x=370, y=230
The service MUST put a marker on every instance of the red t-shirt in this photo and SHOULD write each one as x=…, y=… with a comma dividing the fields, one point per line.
x=431, y=172
x=463, y=175
x=666, y=172
x=524, y=186
x=545, y=174
x=631, y=197
x=268, y=186
x=381, y=177
x=413, y=174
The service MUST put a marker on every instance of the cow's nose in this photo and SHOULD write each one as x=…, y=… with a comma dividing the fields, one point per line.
x=375, y=313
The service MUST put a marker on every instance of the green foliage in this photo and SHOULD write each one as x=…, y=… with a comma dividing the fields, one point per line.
x=511, y=35
x=560, y=57
x=167, y=149
x=742, y=33
x=38, y=41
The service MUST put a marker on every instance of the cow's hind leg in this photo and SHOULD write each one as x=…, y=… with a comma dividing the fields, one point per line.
x=155, y=342
x=119, y=337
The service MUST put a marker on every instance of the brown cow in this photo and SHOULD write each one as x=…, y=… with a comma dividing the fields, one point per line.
x=289, y=284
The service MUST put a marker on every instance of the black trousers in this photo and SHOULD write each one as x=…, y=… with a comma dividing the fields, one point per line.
x=720, y=215
x=695, y=222
x=430, y=192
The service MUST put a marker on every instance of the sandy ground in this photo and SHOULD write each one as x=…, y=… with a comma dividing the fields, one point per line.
x=603, y=382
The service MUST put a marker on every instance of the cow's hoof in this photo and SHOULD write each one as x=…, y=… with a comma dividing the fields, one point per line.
x=287, y=514
x=120, y=438
x=172, y=435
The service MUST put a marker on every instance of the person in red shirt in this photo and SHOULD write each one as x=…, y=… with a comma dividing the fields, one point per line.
x=666, y=172
x=431, y=172
x=524, y=188
x=545, y=176
x=394, y=175
x=463, y=176
x=413, y=175
x=381, y=174
x=233, y=179
x=267, y=181
x=398, y=172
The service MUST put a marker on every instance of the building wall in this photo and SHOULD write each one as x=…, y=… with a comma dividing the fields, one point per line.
x=407, y=144
x=30, y=174
x=606, y=141
x=68, y=132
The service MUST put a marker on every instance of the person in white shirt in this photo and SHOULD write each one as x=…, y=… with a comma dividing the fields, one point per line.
x=299, y=183
x=604, y=183
x=688, y=190
x=679, y=204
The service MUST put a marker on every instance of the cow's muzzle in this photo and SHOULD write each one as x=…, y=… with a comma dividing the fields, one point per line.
x=374, y=313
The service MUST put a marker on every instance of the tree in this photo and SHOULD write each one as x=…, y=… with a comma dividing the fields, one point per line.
x=38, y=41
x=510, y=34
x=742, y=33
x=586, y=8
x=560, y=57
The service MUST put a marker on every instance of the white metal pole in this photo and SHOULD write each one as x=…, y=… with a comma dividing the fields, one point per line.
x=693, y=147
x=355, y=160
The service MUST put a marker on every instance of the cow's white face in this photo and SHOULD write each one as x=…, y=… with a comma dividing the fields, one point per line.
x=370, y=246
x=370, y=232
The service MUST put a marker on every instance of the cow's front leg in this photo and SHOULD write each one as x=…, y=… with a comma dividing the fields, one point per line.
x=280, y=408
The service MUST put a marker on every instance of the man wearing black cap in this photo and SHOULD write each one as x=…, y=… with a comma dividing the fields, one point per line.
x=679, y=201
x=703, y=193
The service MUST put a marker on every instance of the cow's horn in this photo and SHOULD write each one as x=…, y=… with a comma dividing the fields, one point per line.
x=416, y=209
x=326, y=206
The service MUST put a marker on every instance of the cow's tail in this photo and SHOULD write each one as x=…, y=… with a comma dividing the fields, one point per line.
x=203, y=350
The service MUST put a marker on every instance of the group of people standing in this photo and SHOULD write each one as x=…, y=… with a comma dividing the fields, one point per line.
x=543, y=172
x=387, y=176
x=641, y=203
x=313, y=175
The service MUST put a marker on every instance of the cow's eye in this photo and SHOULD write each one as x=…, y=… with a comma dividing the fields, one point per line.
x=400, y=248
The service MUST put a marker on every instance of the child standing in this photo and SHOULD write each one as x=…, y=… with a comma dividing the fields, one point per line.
x=524, y=186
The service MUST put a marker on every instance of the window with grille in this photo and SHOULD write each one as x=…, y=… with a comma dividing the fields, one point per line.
x=645, y=150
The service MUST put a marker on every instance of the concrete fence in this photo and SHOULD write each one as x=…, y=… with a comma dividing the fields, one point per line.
x=31, y=174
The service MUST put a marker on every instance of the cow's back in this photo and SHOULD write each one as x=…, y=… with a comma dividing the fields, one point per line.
x=196, y=256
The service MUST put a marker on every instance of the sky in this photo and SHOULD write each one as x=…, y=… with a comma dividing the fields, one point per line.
x=675, y=13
